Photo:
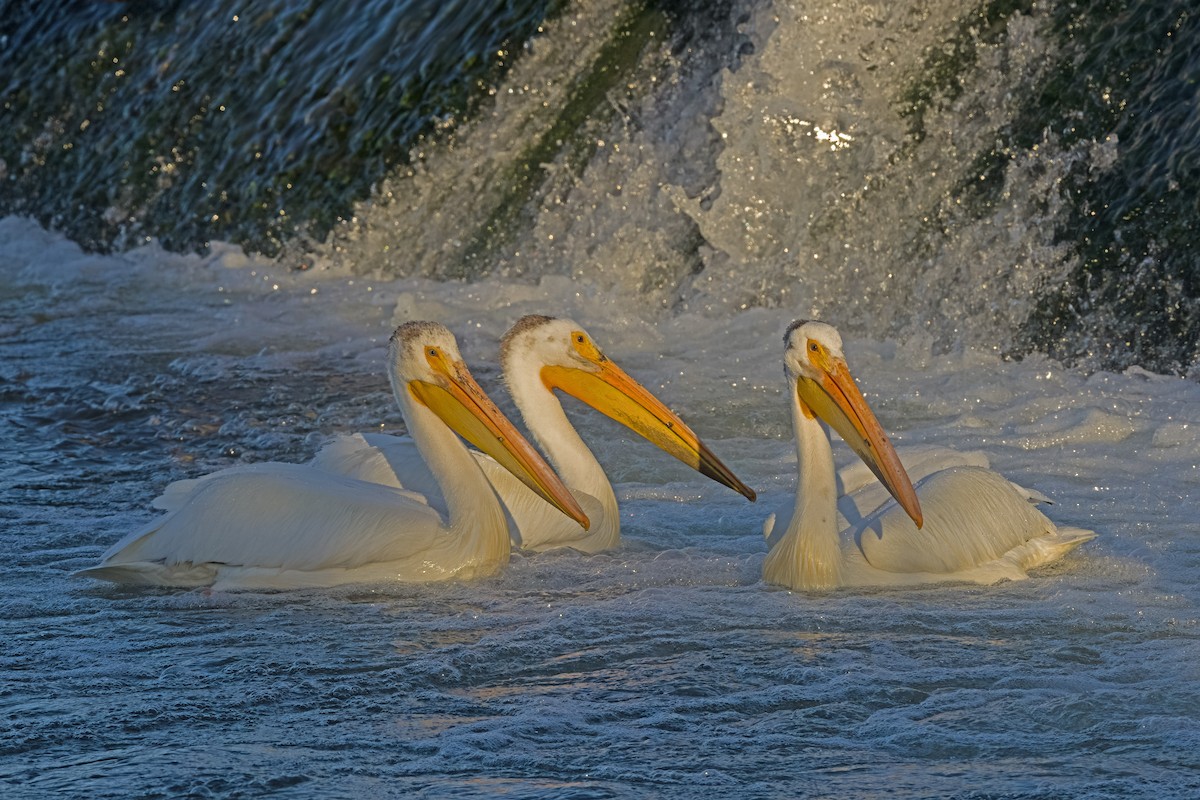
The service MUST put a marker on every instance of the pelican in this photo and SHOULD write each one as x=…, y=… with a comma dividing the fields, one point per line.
x=960, y=524
x=539, y=355
x=290, y=525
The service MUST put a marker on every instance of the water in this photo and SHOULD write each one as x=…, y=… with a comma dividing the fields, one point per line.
x=230, y=120
x=666, y=668
x=1026, y=170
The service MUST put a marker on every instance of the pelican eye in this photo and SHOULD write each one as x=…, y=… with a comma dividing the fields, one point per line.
x=816, y=348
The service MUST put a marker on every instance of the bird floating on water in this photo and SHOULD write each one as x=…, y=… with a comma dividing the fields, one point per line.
x=539, y=355
x=291, y=525
x=959, y=524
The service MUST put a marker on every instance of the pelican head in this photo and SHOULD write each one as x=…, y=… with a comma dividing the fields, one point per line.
x=825, y=390
x=566, y=358
x=425, y=365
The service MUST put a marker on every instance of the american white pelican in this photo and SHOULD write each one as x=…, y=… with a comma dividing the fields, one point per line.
x=289, y=525
x=969, y=524
x=538, y=355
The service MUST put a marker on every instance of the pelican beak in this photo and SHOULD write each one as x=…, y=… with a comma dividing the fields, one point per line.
x=462, y=404
x=836, y=399
x=608, y=389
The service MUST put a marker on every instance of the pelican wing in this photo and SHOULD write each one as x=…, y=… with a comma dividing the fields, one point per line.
x=379, y=458
x=860, y=494
x=281, y=517
x=973, y=516
x=371, y=457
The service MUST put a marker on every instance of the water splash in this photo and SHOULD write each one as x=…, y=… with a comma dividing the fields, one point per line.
x=1006, y=175
x=257, y=122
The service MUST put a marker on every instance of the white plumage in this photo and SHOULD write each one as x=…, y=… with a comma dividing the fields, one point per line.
x=289, y=525
x=539, y=355
x=964, y=523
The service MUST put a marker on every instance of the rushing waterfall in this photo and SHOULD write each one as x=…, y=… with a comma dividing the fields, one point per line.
x=1010, y=174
